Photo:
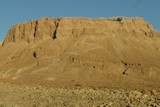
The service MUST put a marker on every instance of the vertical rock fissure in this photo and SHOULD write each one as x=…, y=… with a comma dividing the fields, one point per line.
x=14, y=38
x=55, y=32
x=35, y=54
x=35, y=29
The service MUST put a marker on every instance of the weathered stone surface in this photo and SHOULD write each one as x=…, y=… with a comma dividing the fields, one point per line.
x=31, y=31
x=42, y=28
x=111, y=52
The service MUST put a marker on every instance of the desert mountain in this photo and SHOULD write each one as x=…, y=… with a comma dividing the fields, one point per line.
x=118, y=52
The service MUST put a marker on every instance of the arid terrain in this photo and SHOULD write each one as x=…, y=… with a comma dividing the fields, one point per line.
x=40, y=96
x=80, y=62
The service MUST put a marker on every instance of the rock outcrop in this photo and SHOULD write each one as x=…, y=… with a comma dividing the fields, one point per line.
x=42, y=28
x=32, y=31
x=100, y=51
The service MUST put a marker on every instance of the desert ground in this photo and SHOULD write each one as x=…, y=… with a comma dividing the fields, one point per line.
x=12, y=95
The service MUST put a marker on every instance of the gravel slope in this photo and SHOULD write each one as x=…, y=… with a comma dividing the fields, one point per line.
x=37, y=96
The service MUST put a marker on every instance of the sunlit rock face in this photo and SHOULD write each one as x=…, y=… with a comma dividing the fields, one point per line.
x=88, y=50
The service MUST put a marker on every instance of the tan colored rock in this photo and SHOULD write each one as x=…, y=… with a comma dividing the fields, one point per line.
x=154, y=92
x=147, y=92
x=113, y=52
x=32, y=31
x=42, y=28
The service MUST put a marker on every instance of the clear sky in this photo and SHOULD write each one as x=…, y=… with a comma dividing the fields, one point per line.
x=15, y=11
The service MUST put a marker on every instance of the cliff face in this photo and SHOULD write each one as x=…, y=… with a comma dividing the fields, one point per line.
x=42, y=28
x=83, y=50
x=32, y=31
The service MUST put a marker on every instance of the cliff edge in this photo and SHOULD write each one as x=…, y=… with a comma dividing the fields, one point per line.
x=32, y=31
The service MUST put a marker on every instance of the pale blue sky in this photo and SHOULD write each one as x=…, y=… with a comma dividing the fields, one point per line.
x=15, y=11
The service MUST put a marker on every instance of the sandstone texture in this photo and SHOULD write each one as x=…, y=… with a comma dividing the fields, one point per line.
x=66, y=52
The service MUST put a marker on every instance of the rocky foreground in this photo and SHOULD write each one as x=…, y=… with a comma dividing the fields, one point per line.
x=38, y=96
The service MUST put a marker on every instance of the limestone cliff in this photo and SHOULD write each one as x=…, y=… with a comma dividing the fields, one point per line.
x=42, y=28
x=109, y=51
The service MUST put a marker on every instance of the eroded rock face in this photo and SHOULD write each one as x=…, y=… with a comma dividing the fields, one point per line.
x=32, y=31
x=100, y=50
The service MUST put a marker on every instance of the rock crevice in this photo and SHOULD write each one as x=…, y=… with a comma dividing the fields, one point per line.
x=56, y=25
